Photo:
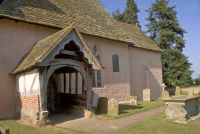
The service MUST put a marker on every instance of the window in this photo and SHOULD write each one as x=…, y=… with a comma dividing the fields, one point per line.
x=1, y=1
x=115, y=62
x=96, y=78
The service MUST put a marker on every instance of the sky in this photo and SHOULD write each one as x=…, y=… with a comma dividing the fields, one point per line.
x=188, y=13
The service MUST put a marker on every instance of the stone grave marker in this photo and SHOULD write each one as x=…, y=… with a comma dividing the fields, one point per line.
x=190, y=92
x=102, y=106
x=113, y=107
x=178, y=91
x=196, y=92
x=133, y=100
x=165, y=95
x=146, y=95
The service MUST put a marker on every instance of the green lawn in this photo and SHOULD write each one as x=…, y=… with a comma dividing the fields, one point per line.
x=127, y=109
x=17, y=128
x=160, y=125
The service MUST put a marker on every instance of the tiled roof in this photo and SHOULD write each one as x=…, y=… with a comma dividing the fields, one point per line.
x=42, y=49
x=89, y=16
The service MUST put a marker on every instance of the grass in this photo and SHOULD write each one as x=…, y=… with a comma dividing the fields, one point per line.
x=127, y=109
x=160, y=125
x=17, y=128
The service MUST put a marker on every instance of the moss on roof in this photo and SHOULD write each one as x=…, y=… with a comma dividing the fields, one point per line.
x=89, y=16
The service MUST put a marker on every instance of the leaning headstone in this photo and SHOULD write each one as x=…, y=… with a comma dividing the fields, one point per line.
x=102, y=106
x=113, y=107
x=133, y=100
x=146, y=95
x=190, y=92
x=165, y=95
x=178, y=91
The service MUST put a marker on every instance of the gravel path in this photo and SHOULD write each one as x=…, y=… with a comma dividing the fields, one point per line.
x=96, y=126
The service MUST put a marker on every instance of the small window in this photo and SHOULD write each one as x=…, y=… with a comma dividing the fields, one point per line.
x=115, y=61
x=1, y=1
x=96, y=78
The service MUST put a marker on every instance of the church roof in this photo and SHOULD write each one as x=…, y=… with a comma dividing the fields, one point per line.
x=89, y=16
x=44, y=47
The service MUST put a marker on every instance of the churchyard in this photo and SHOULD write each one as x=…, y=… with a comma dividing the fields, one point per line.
x=170, y=114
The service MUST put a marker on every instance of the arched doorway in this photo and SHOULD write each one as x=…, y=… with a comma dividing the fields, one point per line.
x=64, y=50
x=66, y=66
x=66, y=94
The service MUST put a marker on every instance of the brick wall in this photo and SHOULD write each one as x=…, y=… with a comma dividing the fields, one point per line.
x=121, y=94
x=29, y=102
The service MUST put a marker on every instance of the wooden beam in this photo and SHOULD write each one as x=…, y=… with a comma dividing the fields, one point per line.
x=70, y=83
x=73, y=53
x=76, y=83
x=64, y=83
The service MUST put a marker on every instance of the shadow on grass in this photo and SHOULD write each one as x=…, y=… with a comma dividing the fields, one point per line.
x=124, y=108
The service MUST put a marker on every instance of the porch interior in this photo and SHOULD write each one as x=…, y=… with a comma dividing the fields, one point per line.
x=66, y=95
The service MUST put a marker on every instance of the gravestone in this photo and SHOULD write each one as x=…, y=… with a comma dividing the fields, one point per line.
x=88, y=113
x=133, y=100
x=4, y=130
x=146, y=95
x=113, y=107
x=178, y=91
x=190, y=92
x=196, y=92
x=102, y=106
x=165, y=95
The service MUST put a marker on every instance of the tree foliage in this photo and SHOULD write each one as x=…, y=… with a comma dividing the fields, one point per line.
x=129, y=15
x=165, y=30
x=176, y=69
x=197, y=81
x=164, y=27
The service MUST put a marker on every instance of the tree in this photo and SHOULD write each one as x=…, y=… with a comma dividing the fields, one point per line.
x=176, y=68
x=117, y=15
x=165, y=30
x=164, y=27
x=129, y=15
x=197, y=81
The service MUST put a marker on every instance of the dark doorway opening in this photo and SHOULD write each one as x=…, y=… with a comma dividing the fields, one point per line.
x=66, y=95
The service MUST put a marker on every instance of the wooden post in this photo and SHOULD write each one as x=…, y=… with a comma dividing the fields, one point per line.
x=89, y=89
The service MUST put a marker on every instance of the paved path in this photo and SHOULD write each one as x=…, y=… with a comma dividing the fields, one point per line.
x=96, y=126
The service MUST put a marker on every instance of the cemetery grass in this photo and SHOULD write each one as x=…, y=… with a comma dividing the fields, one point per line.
x=160, y=125
x=127, y=109
x=18, y=128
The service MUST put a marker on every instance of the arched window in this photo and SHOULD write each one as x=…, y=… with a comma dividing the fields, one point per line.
x=115, y=62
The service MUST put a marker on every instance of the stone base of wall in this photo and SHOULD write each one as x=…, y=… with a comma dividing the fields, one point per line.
x=28, y=108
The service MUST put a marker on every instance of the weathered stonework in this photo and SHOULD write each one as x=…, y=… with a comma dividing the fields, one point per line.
x=133, y=100
x=178, y=91
x=113, y=107
x=165, y=95
x=182, y=108
x=146, y=95
x=190, y=92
